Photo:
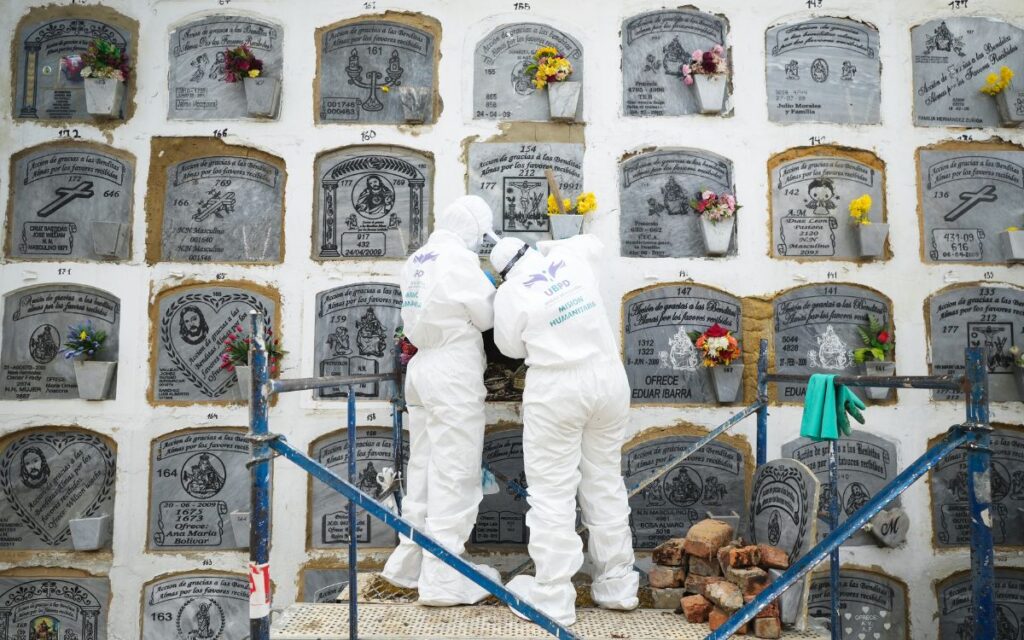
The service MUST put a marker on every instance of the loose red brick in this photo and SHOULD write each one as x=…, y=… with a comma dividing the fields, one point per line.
x=770, y=611
x=717, y=618
x=725, y=595
x=767, y=628
x=660, y=577
x=699, y=584
x=746, y=579
x=669, y=553
x=723, y=555
x=744, y=557
x=706, y=537
x=773, y=557
x=695, y=608
x=703, y=567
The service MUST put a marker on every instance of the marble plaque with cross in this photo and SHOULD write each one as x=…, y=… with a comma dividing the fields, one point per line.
x=968, y=196
x=871, y=604
x=197, y=86
x=54, y=606
x=956, y=606
x=988, y=316
x=502, y=516
x=36, y=322
x=196, y=605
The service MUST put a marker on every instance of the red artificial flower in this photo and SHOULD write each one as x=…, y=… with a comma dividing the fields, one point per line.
x=883, y=336
x=716, y=331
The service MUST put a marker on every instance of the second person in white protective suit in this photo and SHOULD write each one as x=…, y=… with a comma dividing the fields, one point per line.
x=575, y=410
x=446, y=304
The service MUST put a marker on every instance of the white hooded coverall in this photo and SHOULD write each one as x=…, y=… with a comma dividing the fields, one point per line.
x=446, y=303
x=575, y=410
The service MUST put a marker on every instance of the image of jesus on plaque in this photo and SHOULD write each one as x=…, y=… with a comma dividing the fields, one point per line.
x=376, y=199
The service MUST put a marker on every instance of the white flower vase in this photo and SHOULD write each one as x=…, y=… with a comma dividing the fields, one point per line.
x=879, y=368
x=710, y=92
x=415, y=103
x=872, y=239
x=240, y=528
x=90, y=534
x=103, y=97
x=110, y=239
x=1010, y=105
x=727, y=380
x=1012, y=243
x=563, y=100
x=93, y=378
x=244, y=376
x=262, y=96
x=717, y=235
x=565, y=225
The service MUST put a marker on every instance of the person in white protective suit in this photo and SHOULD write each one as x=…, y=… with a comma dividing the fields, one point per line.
x=575, y=409
x=446, y=304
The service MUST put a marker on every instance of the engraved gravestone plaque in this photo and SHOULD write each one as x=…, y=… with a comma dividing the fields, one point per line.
x=196, y=605
x=951, y=59
x=191, y=326
x=223, y=208
x=823, y=70
x=956, y=607
x=197, y=480
x=354, y=334
x=45, y=89
x=502, y=515
x=866, y=464
x=871, y=605
x=48, y=478
x=816, y=330
x=372, y=202
x=35, y=325
x=655, y=46
x=323, y=586
x=365, y=65
x=657, y=188
x=811, y=194
x=197, y=88
x=714, y=479
x=510, y=177
x=977, y=316
x=71, y=202
x=782, y=507
x=54, y=607
x=951, y=517
x=501, y=88
x=967, y=198
x=663, y=365
x=329, y=512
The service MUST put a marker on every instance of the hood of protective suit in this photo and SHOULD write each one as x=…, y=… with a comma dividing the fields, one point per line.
x=469, y=217
x=504, y=251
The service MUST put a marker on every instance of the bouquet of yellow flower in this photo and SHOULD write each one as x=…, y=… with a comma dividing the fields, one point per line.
x=859, y=209
x=548, y=66
x=995, y=83
x=585, y=203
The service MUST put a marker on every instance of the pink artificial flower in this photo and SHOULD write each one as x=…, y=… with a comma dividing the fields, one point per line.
x=686, y=70
x=697, y=55
x=730, y=200
x=708, y=195
x=717, y=50
x=688, y=80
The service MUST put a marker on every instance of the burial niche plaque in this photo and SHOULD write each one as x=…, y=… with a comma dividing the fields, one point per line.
x=816, y=330
x=45, y=89
x=956, y=607
x=823, y=70
x=977, y=316
x=657, y=187
x=49, y=478
x=951, y=517
x=951, y=58
x=663, y=365
x=329, y=512
x=866, y=464
x=368, y=67
x=54, y=607
x=372, y=202
x=501, y=88
x=212, y=606
x=190, y=326
x=71, y=202
x=197, y=480
x=502, y=515
x=35, y=323
x=354, y=334
x=712, y=479
x=196, y=84
x=221, y=205
x=871, y=605
x=655, y=46
x=510, y=177
x=323, y=586
x=782, y=507
x=812, y=188
x=968, y=194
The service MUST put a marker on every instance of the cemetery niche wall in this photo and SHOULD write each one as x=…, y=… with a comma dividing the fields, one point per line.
x=956, y=609
x=321, y=586
x=378, y=69
x=988, y=315
x=213, y=202
x=968, y=193
x=501, y=519
x=47, y=90
x=197, y=88
x=655, y=46
x=823, y=70
x=201, y=604
x=35, y=323
x=372, y=202
x=657, y=187
x=501, y=88
x=70, y=202
x=54, y=603
x=871, y=604
x=811, y=192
